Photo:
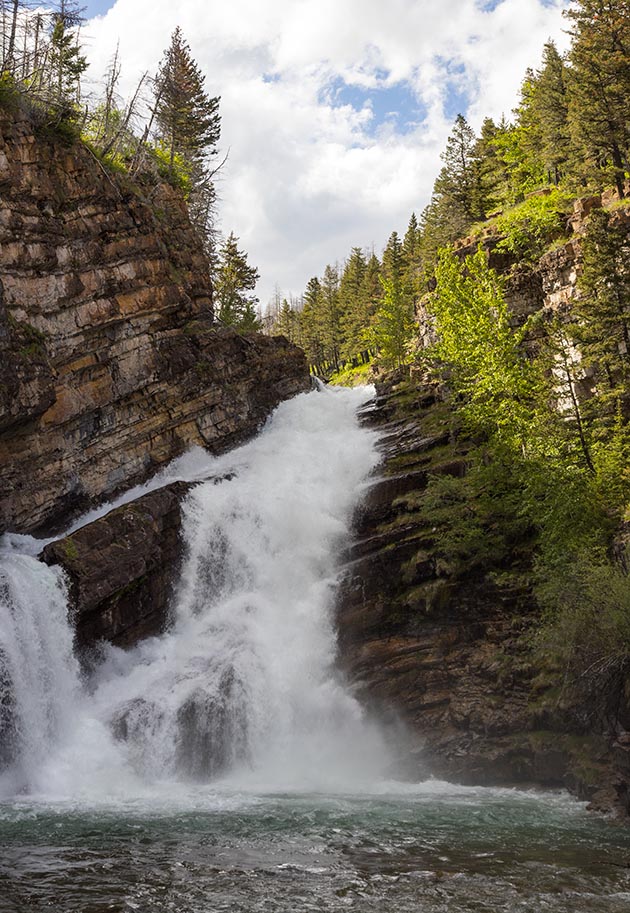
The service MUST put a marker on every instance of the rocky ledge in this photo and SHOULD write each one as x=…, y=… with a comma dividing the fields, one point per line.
x=120, y=568
x=110, y=363
x=450, y=655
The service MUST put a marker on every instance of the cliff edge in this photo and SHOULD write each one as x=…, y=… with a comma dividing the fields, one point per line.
x=110, y=362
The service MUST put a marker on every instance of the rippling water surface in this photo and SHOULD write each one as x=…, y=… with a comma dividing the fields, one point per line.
x=425, y=848
x=292, y=810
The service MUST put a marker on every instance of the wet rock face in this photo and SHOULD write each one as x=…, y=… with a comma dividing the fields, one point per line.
x=121, y=568
x=450, y=655
x=110, y=364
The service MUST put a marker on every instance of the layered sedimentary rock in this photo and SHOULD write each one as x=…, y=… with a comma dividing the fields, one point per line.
x=450, y=654
x=110, y=364
x=120, y=568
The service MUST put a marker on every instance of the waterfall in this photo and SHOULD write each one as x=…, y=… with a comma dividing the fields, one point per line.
x=243, y=687
x=39, y=679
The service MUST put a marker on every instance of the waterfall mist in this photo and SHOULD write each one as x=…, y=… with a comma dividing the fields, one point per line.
x=242, y=690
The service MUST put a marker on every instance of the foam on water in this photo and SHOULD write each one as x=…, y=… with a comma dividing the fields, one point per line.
x=242, y=689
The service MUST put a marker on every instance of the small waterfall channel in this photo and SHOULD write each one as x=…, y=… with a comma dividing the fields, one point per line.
x=243, y=685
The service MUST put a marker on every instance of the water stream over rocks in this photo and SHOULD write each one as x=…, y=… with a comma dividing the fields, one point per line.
x=226, y=765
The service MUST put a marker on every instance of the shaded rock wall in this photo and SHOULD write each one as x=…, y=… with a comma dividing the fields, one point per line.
x=120, y=568
x=449, y=655
x=109, y=362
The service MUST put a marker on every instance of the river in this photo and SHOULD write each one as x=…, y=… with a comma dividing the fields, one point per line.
x=226, y=765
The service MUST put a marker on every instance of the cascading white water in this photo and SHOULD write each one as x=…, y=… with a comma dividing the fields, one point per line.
x=38, y=671
x=243, y=685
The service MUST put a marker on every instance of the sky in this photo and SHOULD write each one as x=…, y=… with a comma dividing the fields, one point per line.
x=334, y=112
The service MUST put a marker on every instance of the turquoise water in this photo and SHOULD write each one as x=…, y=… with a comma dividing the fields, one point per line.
x=425, y=848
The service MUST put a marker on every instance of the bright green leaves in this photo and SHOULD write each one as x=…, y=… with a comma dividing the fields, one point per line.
x=479, y=352
x=393, y=324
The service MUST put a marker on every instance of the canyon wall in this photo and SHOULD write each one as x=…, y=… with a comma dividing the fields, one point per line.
x=449, y=654
x=110, y=362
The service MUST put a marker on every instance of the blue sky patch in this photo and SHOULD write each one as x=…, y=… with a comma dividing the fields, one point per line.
x=96, y=7
x=458, y=87
x=395, y=105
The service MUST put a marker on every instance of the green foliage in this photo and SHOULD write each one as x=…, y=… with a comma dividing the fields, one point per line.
x=587, y=629
x=234, y=282
x=479, y=352
x=532, y=225
x=188, y=119
x=351, y=375
x=545, y=482
x=477, y=518
x=393, y=325
x=9, y=92
x=173, y=167
x=458, y=183
x=599, y=88
x=603, y=309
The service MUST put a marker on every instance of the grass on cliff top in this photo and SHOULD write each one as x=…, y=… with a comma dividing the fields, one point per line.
x=350, y=376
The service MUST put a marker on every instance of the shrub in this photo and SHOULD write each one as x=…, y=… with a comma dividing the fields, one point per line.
x=531, y=226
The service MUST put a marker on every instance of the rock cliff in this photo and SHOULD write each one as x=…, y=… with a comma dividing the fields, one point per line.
x=110, y=363
x=448, y=654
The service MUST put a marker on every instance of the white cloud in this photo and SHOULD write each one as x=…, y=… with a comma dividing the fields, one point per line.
x=308, y=177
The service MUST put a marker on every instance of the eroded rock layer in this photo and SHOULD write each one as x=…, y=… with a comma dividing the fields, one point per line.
x=110, y=364
x=450, y=654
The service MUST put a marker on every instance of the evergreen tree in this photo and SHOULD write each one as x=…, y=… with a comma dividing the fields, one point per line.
x=354, y=314
x=311, y=324
x=412, y=260
x=603, y=310
x=458, y=182
x=235, y=279
x=393, y=265
x=551, y=107
x=287, y=322
x=330, y=316
x=599, y=105
x=392, y=327
x=66, y=62
x=188, y=120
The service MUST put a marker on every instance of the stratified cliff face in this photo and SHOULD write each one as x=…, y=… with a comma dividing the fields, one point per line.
x=450, y=655
x=110, y=364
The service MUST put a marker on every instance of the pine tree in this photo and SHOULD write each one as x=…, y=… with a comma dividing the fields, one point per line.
x=234, y=280
x=287, y=323
x=603, y=309
x=188, y=120
x=599, y=106
x=393, y=324
x=493, y=173
x=311, y=325
x=551, y=107
x=412, y=260
x=458, y=181
x=331, y=333
x=66, y=62
x=393, y=265
x=353, y=313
